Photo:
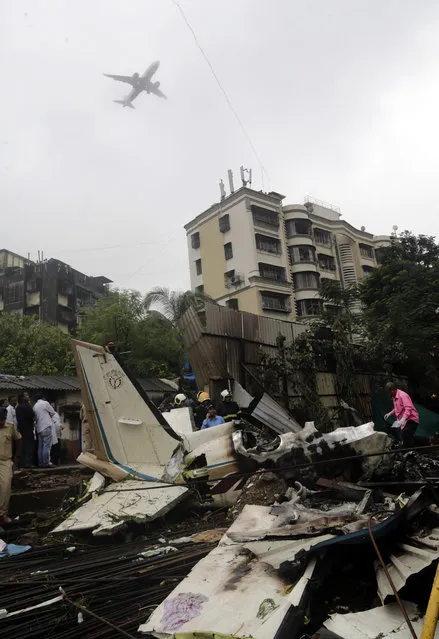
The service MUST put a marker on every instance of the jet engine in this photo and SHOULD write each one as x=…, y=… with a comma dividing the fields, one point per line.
x=156, y=84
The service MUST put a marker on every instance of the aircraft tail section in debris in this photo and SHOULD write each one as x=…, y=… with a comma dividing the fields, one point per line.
x=129, y=436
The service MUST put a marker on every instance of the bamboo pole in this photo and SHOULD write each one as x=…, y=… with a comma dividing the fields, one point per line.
x=431, y=616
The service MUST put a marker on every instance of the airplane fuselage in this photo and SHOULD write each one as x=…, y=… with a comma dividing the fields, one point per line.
x=139, y=83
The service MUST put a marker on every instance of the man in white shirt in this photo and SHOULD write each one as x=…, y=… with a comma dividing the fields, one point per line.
x=11, y=416
x=43, y=418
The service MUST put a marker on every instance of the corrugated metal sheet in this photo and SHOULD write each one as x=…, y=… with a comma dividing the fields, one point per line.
x=151, y=385
x=273, y=415
x=411, y=557
x=207, y=355
x=60, y=383
x=191, y=327
x=38, y=382
x=230, y=339
x=221, y=320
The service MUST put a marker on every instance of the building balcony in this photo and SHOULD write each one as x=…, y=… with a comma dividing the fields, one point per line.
x=275, y=302
x=276, y=307
x=260, y=280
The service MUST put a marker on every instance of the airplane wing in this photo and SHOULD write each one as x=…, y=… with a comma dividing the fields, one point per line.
x=157, y=91
x=121, y=78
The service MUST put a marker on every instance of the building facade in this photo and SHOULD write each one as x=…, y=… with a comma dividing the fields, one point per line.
x=50, y=290
x=252, y=253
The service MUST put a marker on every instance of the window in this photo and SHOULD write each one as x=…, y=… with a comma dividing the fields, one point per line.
x=322, y=237
x=224, y=223
x=267, y=244
x=366, y=251
x=228, y=251
x=367, y=270
x=309, y=307
x=270, y=272
x=305, y=280
x=195, y=240
x=15, y=293
x=273, y=302
x=265, y=217
x=233, y=303
x=302, y=254
x=326, y=262
x=298, y=227
x=198, y=267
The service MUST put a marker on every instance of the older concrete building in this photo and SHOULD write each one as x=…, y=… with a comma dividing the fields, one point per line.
x=254, y=254
x=50, y=289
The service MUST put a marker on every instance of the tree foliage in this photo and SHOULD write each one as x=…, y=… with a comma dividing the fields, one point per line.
x=173, y=304
x=30, y=347
x=150, y=345
x=401, y=306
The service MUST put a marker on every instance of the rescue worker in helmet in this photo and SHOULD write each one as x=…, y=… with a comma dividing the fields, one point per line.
x=200, y=410
x=181, y=401
x=228, y=409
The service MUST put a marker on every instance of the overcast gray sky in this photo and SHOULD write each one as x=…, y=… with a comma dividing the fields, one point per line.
x=340, y=98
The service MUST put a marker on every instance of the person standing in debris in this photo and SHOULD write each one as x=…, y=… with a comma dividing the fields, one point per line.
x=407, y=417
x=12, y=403
x=25, y=426
x=200, y=410
x=212, y=419
x=8, y=435
x=56, y=439
x=228, y=409
x=43, y=416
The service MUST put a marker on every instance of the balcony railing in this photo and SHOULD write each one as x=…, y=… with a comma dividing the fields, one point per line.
x=261, y=279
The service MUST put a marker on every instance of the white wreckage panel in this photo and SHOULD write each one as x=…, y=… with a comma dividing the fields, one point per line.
x=121, y=502
x=235, y=589
x=229, y=592
x=362, y=438
x=386, y=622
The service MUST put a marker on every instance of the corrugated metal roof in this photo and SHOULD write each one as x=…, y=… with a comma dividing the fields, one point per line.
x=38, y=382
x=14, y=384
x=151, y=385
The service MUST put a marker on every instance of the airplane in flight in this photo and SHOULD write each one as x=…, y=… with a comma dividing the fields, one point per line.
x=139, y=83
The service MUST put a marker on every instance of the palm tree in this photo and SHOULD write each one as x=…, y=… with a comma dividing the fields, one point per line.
x=173, y=304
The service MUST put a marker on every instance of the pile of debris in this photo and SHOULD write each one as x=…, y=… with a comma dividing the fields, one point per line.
x=280, y=570
x=327, y=535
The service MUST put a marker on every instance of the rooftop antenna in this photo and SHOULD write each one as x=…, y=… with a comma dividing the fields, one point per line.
x=243, y=178
x=222, y=190
x=230, y=174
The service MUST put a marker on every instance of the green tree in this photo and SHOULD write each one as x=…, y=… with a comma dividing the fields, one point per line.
x=150, y=345
x=173, y=304
x=30, y=347
x=401, y=306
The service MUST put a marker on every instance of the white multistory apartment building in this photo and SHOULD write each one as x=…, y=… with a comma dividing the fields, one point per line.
x=254, y=254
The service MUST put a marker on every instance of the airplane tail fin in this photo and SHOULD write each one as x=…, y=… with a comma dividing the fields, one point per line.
x=125, y=104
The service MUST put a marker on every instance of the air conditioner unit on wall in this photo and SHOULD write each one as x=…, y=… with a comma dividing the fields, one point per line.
x=234, y=280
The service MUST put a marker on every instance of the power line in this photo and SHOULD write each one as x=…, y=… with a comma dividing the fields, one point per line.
x=224, y=92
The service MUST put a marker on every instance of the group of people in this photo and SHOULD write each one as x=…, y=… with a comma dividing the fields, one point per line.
x=206, y=414
x=18, y=423
x=39, y=427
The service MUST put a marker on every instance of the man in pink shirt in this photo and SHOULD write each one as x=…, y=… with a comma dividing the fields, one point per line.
x=407, y=417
